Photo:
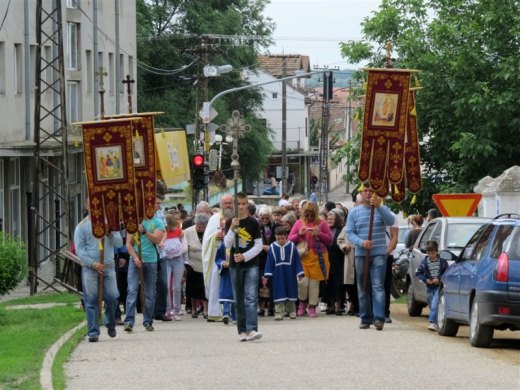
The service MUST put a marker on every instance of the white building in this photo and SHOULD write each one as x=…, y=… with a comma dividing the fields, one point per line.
x=86, y=47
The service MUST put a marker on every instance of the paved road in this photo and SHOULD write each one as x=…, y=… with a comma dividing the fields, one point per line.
x=327, y=352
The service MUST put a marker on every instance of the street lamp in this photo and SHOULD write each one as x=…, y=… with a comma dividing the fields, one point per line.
x=218, y=141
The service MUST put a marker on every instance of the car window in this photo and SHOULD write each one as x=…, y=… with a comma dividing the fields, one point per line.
x=513, y=247
x=482, y=243
x=470, y=246
x=436, y=234
x=458, y=234
x=401, y=237
x=501, y=241
x=426, y=235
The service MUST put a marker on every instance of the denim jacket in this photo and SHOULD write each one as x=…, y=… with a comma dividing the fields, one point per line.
x=423, y=272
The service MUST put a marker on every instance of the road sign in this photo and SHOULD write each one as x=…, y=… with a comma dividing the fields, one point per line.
x=457, y=205
x=207, y=114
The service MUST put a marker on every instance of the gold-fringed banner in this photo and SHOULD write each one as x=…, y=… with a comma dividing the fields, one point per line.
x=384, y=128
x=412, y=157
x=144, y=163
x=108, y=154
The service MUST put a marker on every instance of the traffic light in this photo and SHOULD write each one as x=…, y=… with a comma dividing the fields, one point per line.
x=198, y=174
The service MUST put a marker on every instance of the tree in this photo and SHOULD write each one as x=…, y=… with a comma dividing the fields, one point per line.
x=169, y=30
x=13, y=263
x=468, y=54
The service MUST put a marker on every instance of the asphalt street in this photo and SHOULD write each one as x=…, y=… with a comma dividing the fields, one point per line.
x=328, y=352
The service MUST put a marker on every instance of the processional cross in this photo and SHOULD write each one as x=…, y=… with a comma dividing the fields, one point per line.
x=128, y=81
x=101, y=74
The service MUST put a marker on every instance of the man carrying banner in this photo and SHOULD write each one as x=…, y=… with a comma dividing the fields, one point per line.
x=89, y=249
x=371, y=303
x=213, y=236
x=150, y=233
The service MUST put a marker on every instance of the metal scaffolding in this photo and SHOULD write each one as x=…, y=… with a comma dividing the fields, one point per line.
x=49, y=202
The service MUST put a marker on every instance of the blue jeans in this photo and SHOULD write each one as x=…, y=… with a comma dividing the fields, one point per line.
x=150, y=278
x=174, y=266
x=245, y=291
x=89, y=280
x=371, y=305
x=229, y=310
x=433, y=302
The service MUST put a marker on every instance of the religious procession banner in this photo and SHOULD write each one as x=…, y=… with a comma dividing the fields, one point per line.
x=109, y=166
x=173, y=162
x=412, y=162
x=144, y=162
x=384, y=128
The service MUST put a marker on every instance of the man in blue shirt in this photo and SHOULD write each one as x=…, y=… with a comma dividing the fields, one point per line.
x=88, y=249
x=151, y=232
x=372, y=304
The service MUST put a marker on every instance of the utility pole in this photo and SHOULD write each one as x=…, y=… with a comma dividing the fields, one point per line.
x=284, y=127
x=323, y=182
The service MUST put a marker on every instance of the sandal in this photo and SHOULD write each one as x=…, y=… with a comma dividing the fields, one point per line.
x=194, y=314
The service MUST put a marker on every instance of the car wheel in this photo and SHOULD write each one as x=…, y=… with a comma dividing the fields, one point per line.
x=479, y=335
x=446, y=326
x=414, y=307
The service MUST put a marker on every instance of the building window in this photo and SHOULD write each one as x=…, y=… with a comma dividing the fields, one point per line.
x=18, y=69
x=2, y=67
x=72, y=4
x=2, y=196
x=90, y=72
x=275, y=95
x=110, y=72
x=32, y=55
x=73, y=102
x=47, y=79
x=131, y=66
x=122, y=75
x=15, y=227
x=72, y=46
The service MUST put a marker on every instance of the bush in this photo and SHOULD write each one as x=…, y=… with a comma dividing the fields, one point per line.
x=13, y=263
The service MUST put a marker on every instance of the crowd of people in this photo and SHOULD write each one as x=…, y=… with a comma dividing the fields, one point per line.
x=232, y=266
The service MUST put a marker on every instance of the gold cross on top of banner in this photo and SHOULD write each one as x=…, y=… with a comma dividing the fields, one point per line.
x=128, y=81
x=388, y=47
x=101, y=74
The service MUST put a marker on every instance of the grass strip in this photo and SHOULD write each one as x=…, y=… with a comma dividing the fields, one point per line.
x=59, y=378
x=26, y=335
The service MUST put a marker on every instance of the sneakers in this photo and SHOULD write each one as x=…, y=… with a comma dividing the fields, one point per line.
x=301, y=309
x=119, y=322
x=292, y=315
x=312, y=312
x=149, y=327
x=176, y=317
x=112, y=332
x=379, y=324
x=128, y=328
x=364, y=326
x=253, y=335
x=388, y=320
x=433, y=327
x=93, y=339
x=278, y=317
x=242, y=336
x=225, y=320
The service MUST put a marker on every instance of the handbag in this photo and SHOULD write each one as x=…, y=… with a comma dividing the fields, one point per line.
x=303, y=248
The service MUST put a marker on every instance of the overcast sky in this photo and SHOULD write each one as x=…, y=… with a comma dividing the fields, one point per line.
x=314, y=27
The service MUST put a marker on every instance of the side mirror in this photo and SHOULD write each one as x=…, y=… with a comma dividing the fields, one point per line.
x=447, y=255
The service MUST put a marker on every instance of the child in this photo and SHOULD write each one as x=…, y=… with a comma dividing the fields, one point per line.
x=284, y=266
x=430, y=271
x=225, y=293
x=172, y=249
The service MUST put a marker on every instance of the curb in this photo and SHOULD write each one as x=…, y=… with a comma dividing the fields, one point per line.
x=48, y=360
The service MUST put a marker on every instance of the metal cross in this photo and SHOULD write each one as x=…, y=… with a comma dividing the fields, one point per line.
x=101, y=74
x=129, y=83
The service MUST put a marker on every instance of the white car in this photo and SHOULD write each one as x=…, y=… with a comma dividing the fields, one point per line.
x=451, y=233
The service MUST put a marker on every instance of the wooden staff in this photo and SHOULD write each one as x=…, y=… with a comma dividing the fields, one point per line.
x=101, y=276
x=140, y=254
x=367, y=259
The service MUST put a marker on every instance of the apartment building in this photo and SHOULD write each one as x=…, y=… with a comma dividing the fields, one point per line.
x=96, y=33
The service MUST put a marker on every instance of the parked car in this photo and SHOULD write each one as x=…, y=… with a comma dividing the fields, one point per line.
x=450, y=233
x=401, y=239
x=482, y=288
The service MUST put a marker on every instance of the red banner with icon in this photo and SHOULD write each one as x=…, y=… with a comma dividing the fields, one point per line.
x=108, y=154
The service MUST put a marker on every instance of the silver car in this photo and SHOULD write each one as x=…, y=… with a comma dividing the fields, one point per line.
x=451, y=233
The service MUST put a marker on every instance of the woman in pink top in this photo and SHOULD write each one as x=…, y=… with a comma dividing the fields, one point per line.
x=315, y=263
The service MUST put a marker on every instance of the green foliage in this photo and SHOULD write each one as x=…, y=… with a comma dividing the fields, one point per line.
x=13, y=263
x=168, y=33
x=468, y=53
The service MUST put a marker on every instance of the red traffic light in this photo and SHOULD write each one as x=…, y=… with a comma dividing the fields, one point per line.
x=198, y=161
